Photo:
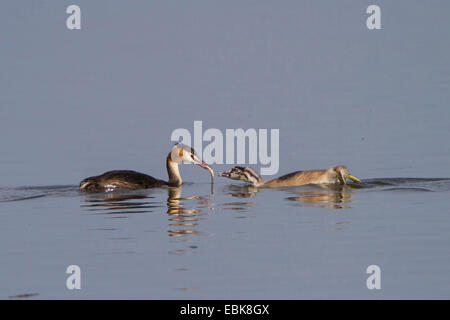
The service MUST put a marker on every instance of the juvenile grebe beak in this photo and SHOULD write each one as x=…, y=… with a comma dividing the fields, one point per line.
x=225, y=174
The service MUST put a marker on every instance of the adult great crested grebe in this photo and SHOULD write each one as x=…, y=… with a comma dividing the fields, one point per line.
x=111, y=180
x=334, y=175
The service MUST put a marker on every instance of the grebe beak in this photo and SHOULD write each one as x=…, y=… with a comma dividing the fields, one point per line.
x=225, y=174
x=205, y=166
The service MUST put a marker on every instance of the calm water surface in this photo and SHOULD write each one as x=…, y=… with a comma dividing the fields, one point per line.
x=239, y=242
x=76, y=103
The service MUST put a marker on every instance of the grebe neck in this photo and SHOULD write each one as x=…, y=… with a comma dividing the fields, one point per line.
x=173, y=172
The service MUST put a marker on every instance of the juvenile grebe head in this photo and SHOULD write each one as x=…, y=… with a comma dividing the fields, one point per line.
x=245, y=174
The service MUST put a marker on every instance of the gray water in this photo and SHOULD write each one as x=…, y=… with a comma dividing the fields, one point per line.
x=78, y=103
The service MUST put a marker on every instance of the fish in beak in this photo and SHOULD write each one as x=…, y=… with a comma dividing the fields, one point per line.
x=353, y=178
x=342, y=175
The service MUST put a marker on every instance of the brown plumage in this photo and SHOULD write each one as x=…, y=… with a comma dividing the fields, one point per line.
x=120, y=179
x=334, y=175
x=129, y=179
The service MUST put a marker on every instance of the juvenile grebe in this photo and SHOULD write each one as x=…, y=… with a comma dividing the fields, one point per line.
x=334, y=175
x=134, y=180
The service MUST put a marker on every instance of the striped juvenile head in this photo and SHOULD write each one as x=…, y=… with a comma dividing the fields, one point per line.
x=246, y=174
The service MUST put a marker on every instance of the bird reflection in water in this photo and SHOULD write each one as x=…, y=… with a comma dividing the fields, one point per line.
x=321, y=196
x=182, y=220
x=120, y=203
x=243, y=191
x=184, y=213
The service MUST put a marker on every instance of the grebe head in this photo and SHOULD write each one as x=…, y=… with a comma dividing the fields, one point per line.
x=184, y=154
x=342, y=175
x=246, y=174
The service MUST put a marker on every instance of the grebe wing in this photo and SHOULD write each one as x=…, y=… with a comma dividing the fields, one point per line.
x=299, y=178
x=289, y=175
x=120, y=179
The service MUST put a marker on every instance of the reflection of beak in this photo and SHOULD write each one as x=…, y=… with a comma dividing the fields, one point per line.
x=353, y=178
